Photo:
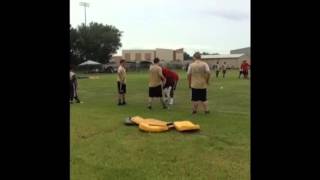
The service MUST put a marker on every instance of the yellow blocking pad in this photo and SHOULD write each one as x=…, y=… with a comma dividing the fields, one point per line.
x=151, y=121
x=185, y=126
x=152, y=128
x=155, y=125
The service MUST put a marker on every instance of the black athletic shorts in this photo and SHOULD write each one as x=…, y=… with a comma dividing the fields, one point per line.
x=169, y=82
x=199, y=94
x=122, y=89
x=155, y=91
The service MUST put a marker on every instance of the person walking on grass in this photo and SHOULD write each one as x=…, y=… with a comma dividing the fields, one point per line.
x=73, y=87
x=245, y=69
x=224, y=69
x=121, y=82
x=198, y=78
x=217, y=69
x=156, y=81
x=241, y=70
x=171, y=84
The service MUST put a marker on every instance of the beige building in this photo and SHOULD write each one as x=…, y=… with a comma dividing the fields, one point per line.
x=232, y=60
x=149, y=55
x=116, y=59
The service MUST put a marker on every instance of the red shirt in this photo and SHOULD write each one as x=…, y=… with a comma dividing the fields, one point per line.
x=168, y=74
x=245, y=66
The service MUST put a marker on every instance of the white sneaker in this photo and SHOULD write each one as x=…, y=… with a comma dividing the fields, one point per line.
x=171, y=101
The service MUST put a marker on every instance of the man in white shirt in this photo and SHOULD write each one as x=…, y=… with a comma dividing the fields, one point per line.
x=217, y=69
x=224, y=69
x=73, y=87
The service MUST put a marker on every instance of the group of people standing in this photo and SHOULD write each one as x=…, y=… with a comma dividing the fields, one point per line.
x=218, y=68
x=163, y=83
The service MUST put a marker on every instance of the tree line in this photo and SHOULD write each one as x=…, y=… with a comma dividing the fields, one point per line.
x=95, y=42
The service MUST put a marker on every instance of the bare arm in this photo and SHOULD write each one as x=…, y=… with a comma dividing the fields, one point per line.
x=162, y=77
x=189, y=80
x=208, y=74
x=189, y=76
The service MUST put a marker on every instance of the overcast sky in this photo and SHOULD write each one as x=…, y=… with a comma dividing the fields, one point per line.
x=195, y=25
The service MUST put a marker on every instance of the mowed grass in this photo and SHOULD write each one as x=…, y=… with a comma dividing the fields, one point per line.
x=103, y=148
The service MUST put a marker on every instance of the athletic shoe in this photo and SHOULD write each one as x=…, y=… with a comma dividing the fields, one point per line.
x=207, y=112
x=124, y=103
x=171, y=101
x=194, y=112
x=149, y=107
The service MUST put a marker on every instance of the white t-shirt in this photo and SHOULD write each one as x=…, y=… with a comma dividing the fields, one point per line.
x=71, y=74
x=223, y=66
x=217, y=67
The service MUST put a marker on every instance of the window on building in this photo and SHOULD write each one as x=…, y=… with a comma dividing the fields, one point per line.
x=127, y=56
x=147, y=56
x=138, y=56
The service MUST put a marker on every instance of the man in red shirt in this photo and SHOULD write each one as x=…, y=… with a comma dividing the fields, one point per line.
x=245, y=69
x=171, y=83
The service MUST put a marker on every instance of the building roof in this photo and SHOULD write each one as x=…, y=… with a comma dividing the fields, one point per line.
x=138, y=50
x=245, y=48
x=220, y=56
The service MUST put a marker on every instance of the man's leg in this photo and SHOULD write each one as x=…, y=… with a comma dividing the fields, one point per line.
x=119, y=99
x=168, y=94
x=165, y=94
x=71, y=96
x=77, y=99
x=164, y=105
x=246, y=75
x=124, y=99
x=194, y=107
x=150, y=102
x=205, y=105
x=171, y=96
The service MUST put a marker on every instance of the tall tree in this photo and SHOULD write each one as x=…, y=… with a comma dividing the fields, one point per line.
x=95, y=42
x=74, y=50
x=186, y=56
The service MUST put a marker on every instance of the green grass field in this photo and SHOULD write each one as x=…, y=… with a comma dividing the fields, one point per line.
x=103, y=148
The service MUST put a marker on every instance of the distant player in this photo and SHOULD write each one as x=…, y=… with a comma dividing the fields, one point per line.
x=198, y=78
x=121, y=83
x=73, y=87
x=217, y=69
x=240, y=71
x=156, y=81
x=171, y=84
x=224, y=69
x=245, y=69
